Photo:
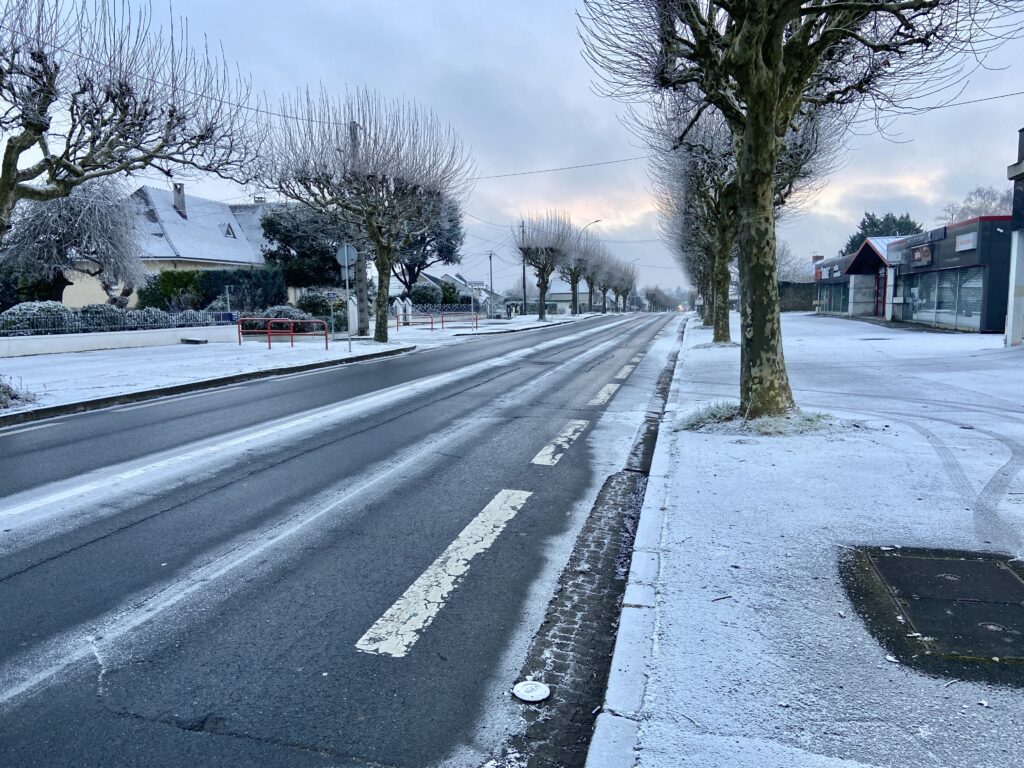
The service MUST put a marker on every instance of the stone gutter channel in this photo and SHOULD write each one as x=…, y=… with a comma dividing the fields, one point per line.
x=588, y=650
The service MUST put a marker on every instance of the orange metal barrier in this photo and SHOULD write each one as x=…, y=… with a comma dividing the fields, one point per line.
x=414, y=318
x=280, y=326
x=460, y=320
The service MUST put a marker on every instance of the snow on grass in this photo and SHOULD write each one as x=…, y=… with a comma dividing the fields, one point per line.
x=724, y=417
x=13, y=395
x=760, y=660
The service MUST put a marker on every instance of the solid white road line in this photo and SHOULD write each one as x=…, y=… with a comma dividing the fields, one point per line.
x=28, y=429
x=553, y=451
x=604, y=395
x=624, y=371
x=175, y=398
x=400, y=627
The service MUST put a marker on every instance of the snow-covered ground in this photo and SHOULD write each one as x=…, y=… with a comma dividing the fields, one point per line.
x=80, y=376
x=759, y=659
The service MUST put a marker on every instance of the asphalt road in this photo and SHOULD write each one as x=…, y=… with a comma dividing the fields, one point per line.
x=333, y=568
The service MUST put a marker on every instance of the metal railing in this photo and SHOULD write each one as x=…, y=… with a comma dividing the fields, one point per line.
x=414, y=318
x=280, y=326
x=128, y=320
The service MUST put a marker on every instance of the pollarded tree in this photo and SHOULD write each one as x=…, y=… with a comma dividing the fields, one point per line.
x=574, y=267
x=597, y=262
x=377, y=165
x=545, y=241
x=763, y=63
x=438, y=244
x=90, y=90
x=89, y=232
x=605, y=279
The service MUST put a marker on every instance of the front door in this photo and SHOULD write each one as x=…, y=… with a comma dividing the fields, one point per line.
x=880, y=285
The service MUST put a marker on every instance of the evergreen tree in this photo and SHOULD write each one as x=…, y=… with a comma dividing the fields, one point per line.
x=884, y=226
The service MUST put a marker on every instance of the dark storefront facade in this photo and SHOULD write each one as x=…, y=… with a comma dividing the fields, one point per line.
x=954, y=276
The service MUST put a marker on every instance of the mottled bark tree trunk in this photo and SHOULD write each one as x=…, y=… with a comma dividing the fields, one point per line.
x=575, y=298
x=590, y=297
x=721, y=282
x=542, y=286
x=764, y=385
x=383, y=263
x=362, y=296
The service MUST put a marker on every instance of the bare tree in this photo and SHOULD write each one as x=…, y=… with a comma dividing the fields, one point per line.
x=545, y=241
x=586, y=248
x=597, y=262
x=764, y=63
x=90, y=90
x=790, y=267
x=980, y=201
x=89, y=232
x=382, y=166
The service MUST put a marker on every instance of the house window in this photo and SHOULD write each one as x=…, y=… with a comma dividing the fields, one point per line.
x=228, y=231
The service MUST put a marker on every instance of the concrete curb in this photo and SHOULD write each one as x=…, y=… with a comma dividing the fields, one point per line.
x=65, y=409
x=617, y=729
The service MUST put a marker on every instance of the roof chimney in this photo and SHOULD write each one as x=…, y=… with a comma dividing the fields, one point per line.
x=815, y=258
x=179, y=199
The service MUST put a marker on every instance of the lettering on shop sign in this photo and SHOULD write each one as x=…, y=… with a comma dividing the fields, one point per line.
x=966, y=242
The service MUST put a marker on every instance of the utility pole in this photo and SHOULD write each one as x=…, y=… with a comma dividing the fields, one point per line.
x=490, y=299
x=522, y=238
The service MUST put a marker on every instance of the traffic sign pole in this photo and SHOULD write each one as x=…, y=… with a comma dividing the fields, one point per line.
x=346, y=258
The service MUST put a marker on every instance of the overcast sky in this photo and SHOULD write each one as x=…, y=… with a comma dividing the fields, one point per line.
x=510, y=78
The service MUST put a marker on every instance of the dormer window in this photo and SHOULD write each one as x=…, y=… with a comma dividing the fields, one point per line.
x=228, y=231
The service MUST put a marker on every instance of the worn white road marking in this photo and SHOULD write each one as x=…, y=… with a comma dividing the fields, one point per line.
x=553, y=451
x=624, y=371
x=604, y=395
x=400, y=627
x=175, y=398
x=28, y=429
x=637, y=358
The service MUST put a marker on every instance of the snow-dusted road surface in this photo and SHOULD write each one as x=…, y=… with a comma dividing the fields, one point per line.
x=760, y=661
x=197, y=580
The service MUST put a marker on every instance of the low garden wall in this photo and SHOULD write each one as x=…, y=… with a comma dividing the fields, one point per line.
x=17, y=346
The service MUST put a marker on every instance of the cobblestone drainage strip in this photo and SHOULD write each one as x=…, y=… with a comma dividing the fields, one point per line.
x=951, y=613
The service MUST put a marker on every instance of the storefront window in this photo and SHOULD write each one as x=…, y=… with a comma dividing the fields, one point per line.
x=945, y=298
x=968, y=308
x=834, y=298
x=923, y=298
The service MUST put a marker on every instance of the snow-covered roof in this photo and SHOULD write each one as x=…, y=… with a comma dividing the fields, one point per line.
x=881, y=244
x=248, y=216
x=208, y=231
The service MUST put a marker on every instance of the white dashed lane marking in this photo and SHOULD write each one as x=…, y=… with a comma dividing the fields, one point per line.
x=400, y=627
x=624, y=371
x=553, y=451
x=28, y=429
x=604, y=395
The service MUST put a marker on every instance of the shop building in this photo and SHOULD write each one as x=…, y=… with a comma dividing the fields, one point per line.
x=856, y=285
x=954, y=277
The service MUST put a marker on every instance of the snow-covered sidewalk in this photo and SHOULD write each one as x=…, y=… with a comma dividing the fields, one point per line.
x=76, y=377
x=758, y=659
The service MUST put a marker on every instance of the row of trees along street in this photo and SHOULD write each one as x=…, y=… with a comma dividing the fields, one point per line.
x=750, y=77
x=550, y=243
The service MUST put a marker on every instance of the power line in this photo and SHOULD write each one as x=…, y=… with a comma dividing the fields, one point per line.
x=563, y=168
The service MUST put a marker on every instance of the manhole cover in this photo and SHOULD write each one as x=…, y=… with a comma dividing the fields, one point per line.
x=963, y=605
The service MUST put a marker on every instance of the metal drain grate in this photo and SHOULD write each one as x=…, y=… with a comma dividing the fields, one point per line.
x=958, y=605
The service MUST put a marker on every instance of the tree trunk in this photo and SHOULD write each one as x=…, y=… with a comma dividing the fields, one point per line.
x=721, y=286
x=362, y=296
x=576, y=298
x=383, y=263
x=542, y=286
x=764, y=385
x=590, y=297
